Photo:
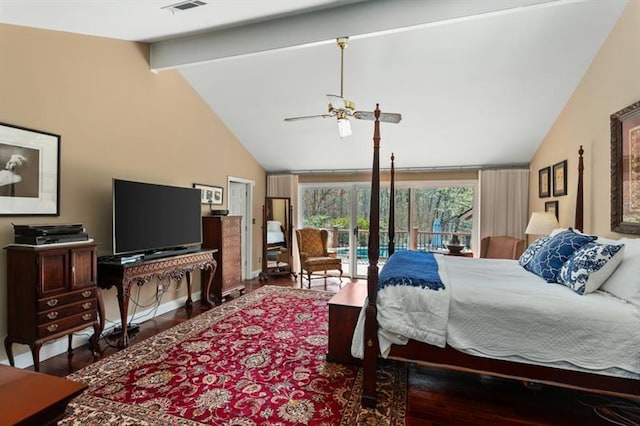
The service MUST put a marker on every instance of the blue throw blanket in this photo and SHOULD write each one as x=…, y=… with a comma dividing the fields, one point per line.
x=414, y=268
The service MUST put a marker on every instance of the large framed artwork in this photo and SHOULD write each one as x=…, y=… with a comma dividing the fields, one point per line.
x=560, y=179
x=211, y=195
x=625, y=170
x=30, y=174
x=544, y=182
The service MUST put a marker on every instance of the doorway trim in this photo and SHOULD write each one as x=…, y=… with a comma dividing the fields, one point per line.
x=247, y=235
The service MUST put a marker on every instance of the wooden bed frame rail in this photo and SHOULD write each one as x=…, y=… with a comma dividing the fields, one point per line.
x=448, y=357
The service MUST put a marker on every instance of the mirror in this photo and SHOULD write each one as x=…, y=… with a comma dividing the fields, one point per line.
x=276, y=231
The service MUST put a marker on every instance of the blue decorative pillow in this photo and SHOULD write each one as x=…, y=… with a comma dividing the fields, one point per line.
x=590, y=266
x=528, y=254
x=547, y=261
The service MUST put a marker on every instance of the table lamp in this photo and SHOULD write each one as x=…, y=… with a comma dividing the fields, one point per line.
x=542, y=223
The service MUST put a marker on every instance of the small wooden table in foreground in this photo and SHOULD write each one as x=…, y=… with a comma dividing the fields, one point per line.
x=30, y=398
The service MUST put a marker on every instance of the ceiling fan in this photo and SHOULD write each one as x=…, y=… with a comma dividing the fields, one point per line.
x=343, y=109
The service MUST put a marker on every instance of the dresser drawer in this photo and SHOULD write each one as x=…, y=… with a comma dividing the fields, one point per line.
x=67, y=323
x=230, y=241
x=231, y=280
x=66, y=299
x=64, y=311
x=231, y=256
x=230, y=265
x=231, y=227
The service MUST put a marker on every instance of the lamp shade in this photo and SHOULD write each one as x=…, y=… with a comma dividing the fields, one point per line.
x=344, y=128
x=542, y=223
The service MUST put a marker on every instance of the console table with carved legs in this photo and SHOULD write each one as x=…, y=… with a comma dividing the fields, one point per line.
x=123, y=277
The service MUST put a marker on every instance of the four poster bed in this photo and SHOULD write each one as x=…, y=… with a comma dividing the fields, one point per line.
x=479, y=358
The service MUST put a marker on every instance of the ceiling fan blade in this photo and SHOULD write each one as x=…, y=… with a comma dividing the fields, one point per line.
x=390, y=117
x=305, y=117
x=386, y=117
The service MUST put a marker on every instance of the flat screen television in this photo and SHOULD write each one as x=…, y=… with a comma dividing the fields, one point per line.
x=149, y=218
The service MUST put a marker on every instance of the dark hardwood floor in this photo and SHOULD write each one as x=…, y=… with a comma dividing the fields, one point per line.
x=435, y=396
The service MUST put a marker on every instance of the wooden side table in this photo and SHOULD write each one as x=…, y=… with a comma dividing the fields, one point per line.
x=30, y=398
x=461, y=254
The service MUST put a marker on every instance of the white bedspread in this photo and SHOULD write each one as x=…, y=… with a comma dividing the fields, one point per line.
x=275, y=237
x=406, y=312
x=500, y=310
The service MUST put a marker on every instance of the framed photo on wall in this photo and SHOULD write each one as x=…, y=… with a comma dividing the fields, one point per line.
x=29, y=172
x=625, y=170
x=544, y=182
x=209, y=194
x=551, y=207
x=560, y=179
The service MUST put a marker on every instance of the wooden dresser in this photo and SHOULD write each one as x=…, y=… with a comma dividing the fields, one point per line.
x=51, y=293
x=224, y=234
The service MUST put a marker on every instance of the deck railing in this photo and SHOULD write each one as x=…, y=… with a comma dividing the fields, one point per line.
x=404, y=240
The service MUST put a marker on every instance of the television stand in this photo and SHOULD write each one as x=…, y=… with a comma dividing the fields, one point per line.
x=124, y=276
x=159, y=254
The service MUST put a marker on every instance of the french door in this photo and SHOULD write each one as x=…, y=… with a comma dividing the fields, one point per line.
x=343, y=210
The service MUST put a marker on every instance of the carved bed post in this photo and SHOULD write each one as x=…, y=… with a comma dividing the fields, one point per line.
x=579, y=222
x=392, y=210
x=369, y=397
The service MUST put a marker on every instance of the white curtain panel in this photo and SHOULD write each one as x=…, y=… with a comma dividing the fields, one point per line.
x=504, y=202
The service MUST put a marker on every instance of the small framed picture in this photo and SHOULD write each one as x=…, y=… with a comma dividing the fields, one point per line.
x=551, y=207
x=29, y=172
x=544, y=182
x=560, y=179
x=211, y=195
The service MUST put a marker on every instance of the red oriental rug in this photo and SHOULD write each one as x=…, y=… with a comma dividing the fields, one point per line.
x=256, y=360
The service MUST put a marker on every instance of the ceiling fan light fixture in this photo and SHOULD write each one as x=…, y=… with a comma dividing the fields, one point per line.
x=344, y=127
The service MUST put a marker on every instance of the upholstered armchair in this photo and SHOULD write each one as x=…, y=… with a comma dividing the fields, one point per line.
x=503, y=247
x=314, y=257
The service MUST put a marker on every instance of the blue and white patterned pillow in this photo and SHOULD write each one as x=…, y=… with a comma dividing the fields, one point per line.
x=547, y=261
x=528, y=254
x=590, y=266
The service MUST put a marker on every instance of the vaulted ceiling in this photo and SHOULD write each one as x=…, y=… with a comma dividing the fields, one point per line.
x=478, y=83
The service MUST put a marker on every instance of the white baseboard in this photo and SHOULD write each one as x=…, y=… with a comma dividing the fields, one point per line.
x=59, y=346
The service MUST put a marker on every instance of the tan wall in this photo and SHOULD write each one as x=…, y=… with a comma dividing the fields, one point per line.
x=611, y=83
x=116, y=119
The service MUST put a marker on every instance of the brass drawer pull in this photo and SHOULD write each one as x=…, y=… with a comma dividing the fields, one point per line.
x=86, y=293
x=86, y=317
x=52, y=328
x=52, y=302
x=52, y=315
x=87, y=305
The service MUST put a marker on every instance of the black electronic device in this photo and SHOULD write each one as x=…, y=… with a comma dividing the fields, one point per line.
x=219, y=212
x=150, y=217
x=37, y=240
x=52, y=229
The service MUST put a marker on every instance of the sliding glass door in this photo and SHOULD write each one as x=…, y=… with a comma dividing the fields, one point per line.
x=427, y=214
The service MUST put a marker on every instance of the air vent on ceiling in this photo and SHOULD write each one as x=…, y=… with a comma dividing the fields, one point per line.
x=184, y=5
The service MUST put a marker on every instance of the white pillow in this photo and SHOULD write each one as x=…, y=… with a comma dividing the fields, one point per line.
x=625, y=281
x=590, y=266
x=273, y=226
